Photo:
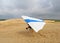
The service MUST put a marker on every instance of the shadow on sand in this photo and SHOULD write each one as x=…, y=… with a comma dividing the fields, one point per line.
x=30, y=33
x=27, y=33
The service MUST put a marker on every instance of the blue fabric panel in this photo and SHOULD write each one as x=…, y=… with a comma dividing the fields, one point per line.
x=30, y=20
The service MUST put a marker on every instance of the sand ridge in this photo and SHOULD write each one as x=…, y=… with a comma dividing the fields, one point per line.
x=13, y=31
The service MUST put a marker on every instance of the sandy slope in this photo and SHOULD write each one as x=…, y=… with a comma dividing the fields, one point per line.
x=13, y=31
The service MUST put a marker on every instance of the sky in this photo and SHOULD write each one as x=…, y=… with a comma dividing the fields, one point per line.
x=45, y=9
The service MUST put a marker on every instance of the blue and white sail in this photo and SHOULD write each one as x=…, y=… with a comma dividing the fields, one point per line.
x=36, y=24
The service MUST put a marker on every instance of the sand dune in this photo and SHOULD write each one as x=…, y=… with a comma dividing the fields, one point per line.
x=13, y=31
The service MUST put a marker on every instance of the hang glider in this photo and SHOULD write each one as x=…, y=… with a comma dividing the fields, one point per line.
x=36, y=24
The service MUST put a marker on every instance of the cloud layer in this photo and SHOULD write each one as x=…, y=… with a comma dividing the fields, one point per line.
x=49, y=9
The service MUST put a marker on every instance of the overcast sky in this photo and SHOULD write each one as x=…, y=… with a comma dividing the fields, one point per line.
x=49, y=9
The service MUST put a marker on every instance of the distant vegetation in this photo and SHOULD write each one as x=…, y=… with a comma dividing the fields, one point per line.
x=57, y=20
x=2, y=19
x=53, y=20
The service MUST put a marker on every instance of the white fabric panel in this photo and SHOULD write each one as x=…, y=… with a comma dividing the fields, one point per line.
x=26, y=17
x=36, y=26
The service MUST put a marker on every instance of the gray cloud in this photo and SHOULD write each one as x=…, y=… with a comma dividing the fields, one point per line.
x=49, y=9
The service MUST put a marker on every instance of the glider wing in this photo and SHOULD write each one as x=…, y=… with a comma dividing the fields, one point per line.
x=36, y=24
